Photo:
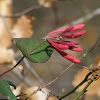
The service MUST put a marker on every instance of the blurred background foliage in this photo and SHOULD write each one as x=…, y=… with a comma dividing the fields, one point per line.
x=44, y=16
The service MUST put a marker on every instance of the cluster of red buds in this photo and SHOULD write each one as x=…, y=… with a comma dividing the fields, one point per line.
x=56, y=40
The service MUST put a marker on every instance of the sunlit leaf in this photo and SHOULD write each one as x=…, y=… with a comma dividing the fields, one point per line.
x=5, y=89
x=41, y=54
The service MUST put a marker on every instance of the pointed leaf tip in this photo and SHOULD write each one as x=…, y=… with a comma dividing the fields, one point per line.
x=5, y=89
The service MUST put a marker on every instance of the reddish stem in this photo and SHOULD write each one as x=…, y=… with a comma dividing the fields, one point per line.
x=12, y=68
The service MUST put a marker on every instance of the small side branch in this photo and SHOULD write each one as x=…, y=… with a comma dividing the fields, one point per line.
x=84, y=90
x=82, y=82
x=12, y=67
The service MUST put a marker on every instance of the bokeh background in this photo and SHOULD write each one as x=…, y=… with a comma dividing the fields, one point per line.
x=48, y=15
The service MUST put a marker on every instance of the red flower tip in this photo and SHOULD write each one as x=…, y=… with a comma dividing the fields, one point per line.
x=77, y=49
x=73, y=59
x=60, y=45
x=73, y=35
x=67, y=30
x=77, y=27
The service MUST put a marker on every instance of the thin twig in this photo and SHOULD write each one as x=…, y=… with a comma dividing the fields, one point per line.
x=93, y=46
x=85, y=54
x=58, y=75
x=12, y=67
x=39, y=89
x=23, y=12
x=70, y=66
x=29, y=67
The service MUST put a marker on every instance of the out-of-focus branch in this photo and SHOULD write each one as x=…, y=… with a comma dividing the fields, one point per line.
x=23, y=12
x=25, y=61
x=25, y=79
x=6, y=25
x=30, y=68
x=88, y=17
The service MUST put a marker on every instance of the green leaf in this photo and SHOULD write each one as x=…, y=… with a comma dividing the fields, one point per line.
x=41, y=54
x=10, y=83
x=5, y=89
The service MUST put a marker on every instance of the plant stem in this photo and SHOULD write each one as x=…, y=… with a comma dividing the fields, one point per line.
x=83, y=81
x=12, y=67
x=84, y=90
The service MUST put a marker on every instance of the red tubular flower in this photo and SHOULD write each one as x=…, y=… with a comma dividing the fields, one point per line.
x=54, y=38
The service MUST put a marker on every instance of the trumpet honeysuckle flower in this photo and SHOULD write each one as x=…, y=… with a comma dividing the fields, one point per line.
x=55, y=39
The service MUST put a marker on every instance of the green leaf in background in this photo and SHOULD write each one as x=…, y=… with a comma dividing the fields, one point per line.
x=10, y=83
x=5, y=89
x=41, y=54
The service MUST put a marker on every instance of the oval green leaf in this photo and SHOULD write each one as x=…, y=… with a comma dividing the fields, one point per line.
x=5, y=89
x=40, y=54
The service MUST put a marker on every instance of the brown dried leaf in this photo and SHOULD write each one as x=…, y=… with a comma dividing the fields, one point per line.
x=6, y=55
x=38, y=95
x=45, y=3
x=23, y=27
x=5, y=9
